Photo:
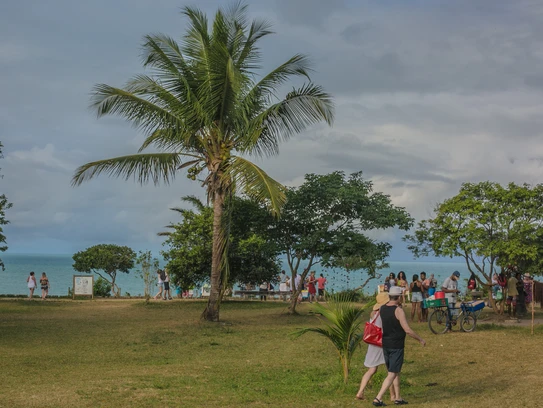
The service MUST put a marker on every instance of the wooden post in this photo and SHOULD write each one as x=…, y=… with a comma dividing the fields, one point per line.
x=533, y=301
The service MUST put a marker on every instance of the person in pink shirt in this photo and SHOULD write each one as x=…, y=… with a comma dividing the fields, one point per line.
x=321, y=284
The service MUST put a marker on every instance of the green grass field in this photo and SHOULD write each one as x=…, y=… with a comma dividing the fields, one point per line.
x=124, y=353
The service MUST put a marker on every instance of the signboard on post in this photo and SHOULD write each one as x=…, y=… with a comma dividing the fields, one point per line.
x=83, y=286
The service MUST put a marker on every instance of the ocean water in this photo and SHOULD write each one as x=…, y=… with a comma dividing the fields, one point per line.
x=60, y=273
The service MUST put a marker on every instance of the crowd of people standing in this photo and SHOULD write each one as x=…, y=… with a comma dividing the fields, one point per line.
x=420, y=288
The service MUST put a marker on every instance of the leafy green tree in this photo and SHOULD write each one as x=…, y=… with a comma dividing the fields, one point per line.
x=325, y=221
x=106, y=259
x=486, y=224
x=147, y=272
x=4, y=205
x=251, y=257
x=342, y=321
x=203, y=109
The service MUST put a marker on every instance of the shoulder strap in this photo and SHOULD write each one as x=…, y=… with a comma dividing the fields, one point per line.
x=375, y=317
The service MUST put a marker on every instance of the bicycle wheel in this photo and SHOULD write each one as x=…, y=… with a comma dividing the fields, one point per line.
x=468, y=323
x=438, y=321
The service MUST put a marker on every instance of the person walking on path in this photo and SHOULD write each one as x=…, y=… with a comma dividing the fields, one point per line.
x=395, y=328
x=374, y=355
x=160, y=284
x=167, y=292
x=450, y=287
x=44, y=283
x=31, y=283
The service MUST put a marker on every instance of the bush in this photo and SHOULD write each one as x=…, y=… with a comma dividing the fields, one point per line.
x=349, y=295
x=102, y=288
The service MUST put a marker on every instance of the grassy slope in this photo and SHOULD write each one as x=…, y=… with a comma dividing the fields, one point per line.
x=128, y=354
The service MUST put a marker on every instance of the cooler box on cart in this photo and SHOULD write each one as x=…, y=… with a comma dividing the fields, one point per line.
x=436, y=303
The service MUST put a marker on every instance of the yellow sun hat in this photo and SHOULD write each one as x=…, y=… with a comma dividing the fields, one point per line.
x=381, y=299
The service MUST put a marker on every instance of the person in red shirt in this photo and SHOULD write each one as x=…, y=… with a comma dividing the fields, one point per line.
x=321, y=283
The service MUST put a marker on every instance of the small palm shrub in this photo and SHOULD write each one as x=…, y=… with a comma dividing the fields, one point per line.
x=342, y=326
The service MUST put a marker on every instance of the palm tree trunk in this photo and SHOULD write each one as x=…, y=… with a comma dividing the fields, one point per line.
x=345, y=365
x=211, y=312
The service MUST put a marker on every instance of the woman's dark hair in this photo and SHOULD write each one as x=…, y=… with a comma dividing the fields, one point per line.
x=31, y=273
x=472, y=276
x=422, y=273
x=415, y=277
x=401, y=275
x=393, y=275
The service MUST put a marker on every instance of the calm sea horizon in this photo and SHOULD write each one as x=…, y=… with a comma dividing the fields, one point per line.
x=60, y=273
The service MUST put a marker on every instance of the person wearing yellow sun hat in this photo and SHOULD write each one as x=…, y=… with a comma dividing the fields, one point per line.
x=374, y=355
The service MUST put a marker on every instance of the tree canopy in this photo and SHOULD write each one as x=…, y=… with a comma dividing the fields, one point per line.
x=326, y=220
x=252, y=258
x=205, y=107
x=106, y=259
x=486, y=224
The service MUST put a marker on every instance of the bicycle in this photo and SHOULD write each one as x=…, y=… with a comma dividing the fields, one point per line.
x=439, y=320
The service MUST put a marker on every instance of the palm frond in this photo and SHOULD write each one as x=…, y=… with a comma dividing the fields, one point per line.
x=254, y=182
x=143, y=167
x=195, y=201
x=164, y=54
x=175, y=139
x=301, y=108
x=144, y=114
x=298, y=65
x=249, y=57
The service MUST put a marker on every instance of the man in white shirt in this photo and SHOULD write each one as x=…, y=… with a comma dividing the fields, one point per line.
x=297, y=282
x=450, y=287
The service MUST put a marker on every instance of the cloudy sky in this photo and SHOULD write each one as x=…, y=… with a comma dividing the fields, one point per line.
x=429, y=94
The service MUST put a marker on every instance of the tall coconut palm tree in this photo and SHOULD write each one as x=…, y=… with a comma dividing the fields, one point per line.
x=205, y=109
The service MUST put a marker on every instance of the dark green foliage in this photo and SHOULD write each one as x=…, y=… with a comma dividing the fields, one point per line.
x=105, y=258
x=4, y=205
x=102, y=288
x=350, y=295
x=251, y=257
x=326, y=219
x=486, y=224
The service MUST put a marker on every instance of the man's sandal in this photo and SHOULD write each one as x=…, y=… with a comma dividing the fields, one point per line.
x=378, y=403
x=401, y=402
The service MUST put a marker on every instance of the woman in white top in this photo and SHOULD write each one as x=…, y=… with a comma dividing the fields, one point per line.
x=31, y=282
x=374, y=355
x=160, y=283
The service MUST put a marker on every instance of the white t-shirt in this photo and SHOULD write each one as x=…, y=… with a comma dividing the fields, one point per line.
x=297, y=282
x=450, y=285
